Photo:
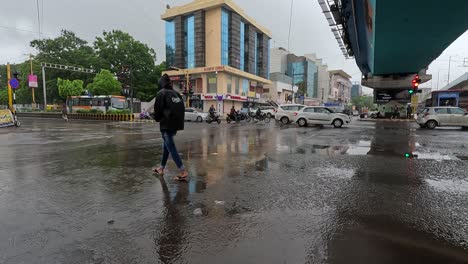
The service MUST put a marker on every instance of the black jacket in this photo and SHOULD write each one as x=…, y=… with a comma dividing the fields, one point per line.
x=169, y=109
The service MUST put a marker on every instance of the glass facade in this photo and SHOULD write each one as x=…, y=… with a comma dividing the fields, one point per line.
x=190, y=41
x=242, y=46
x=312, y=80
x=224, y=37
x=170, y=43
x=237, y=81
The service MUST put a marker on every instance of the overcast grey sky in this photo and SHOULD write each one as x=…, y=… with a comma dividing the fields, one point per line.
x=141, y=18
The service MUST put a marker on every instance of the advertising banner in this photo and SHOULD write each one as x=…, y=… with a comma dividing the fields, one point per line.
x=6, y=118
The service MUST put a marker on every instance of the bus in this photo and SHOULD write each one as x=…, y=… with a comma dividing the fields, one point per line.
x=101, y=102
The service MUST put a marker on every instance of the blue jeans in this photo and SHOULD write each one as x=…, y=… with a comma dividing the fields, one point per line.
x=170, y=148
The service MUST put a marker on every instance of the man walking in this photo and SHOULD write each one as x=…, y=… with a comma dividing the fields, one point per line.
x=169, y=111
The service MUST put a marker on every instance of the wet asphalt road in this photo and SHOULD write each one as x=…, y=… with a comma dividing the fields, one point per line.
x=84, y=193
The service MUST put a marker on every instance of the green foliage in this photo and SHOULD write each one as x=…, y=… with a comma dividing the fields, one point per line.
x=3, y=96
x=119, y=112
x=105, y=84
x=363, y=102
x=69, y=88
x=96, y=111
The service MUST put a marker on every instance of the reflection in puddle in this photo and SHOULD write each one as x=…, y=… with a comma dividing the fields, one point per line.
x=434, y=156
x=361, y=148
x=456, y=186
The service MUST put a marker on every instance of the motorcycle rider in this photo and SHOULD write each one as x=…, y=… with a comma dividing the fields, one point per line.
x=212, y=112
x=258, y=113
x=233, y=112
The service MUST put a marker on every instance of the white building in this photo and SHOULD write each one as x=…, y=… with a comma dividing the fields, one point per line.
x=323, y=77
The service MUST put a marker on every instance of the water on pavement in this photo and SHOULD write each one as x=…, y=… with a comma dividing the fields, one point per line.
x=84, y=193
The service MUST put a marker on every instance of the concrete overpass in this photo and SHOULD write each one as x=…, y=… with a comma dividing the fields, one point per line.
x=391, y=40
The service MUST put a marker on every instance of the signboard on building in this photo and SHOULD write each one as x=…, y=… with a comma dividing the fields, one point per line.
x=32, y=81
x=385, y=96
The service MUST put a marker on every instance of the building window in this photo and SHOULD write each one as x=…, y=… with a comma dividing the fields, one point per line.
x=242, y=46
x=224, y=37
x=237, y=82
x=255, y=54
x=229, y=84
x=190, y=41
x=268, y=61
x=212, y=79
x=245, y=87
x=170, y=43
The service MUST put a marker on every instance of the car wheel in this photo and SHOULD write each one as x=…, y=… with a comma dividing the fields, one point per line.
x=199, y=119
x=337, y=123
x=269, y=115
x=285, y=120
x=431, y=124
x=302, y=122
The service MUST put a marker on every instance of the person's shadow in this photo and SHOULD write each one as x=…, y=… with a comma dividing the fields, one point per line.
x=170, y=236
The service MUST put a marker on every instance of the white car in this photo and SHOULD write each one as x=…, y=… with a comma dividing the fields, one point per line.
x=319, y=115
x=433, y=117
x=285, y=113
x=192, y=114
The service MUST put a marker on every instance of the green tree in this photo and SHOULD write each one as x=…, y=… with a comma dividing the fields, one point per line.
x=105, y=84
x=363, y=101
x=66, y=49
x=3, y=96
x=117, y=49
x=69, y=88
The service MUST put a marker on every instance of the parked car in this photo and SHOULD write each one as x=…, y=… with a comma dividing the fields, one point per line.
x=432, y=117
x=285, y=113
x=319, y=115
x=192, y=114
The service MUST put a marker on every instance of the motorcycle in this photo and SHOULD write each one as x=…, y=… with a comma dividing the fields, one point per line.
x=145, y=115
x=237, y=117
x=261, y=117
x=210, y=119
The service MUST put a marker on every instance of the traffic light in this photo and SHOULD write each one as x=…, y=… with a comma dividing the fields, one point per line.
x=16, y=75
x=190, y=88
x=415, y=84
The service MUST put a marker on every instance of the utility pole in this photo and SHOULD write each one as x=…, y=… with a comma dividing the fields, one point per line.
x=32, y=88
x=450, y=63
x=44, y=86
x=187, y=84
x=10, y=94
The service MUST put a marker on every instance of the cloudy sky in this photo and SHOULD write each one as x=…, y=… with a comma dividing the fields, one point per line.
x=141, y=18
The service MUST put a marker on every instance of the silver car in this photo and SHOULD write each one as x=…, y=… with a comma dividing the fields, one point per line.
x=320, y=116
x=192, y=114
x=433, y=117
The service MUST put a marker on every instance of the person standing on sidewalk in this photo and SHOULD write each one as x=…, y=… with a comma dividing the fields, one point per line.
x=169, y=111
x=409, y=111
x=65, y=112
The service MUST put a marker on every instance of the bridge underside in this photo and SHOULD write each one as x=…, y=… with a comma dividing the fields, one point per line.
x=391, y=40
x=409, y=35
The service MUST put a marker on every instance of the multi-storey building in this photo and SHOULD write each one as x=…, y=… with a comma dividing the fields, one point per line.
x=356, y=90
x=224, y=52
x=323, y=83
x=340, y=88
